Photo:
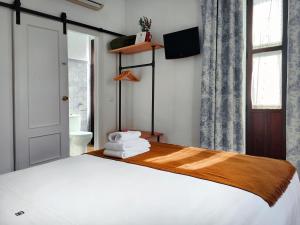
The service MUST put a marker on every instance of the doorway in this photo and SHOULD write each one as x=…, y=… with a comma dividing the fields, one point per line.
x=266, y=78
x=81, y=92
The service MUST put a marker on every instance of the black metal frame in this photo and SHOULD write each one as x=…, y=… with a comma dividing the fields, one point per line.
x=284, y=62
x=152, y=64
x=16, y=6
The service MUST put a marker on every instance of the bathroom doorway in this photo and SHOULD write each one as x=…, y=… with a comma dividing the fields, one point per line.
x=81, y=58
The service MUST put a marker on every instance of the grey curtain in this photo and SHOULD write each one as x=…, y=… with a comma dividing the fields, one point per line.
x=222, y=112
x=293, y=85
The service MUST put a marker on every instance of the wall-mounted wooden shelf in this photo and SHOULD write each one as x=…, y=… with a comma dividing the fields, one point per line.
x=141, y=47
x=151, y=137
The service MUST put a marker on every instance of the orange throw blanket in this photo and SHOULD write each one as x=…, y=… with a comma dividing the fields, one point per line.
x=265, y=177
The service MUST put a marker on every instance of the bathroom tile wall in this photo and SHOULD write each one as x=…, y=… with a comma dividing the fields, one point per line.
x=78, y=87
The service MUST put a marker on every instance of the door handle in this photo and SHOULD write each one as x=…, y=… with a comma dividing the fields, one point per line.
x=65, y=98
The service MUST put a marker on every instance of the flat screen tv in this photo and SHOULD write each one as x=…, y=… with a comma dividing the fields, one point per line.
x=182, y=44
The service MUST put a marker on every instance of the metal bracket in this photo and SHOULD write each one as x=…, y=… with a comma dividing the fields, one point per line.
x=63, y=17
x=17, y=5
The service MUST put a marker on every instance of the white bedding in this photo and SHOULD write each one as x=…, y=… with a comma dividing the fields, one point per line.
x=88, y=190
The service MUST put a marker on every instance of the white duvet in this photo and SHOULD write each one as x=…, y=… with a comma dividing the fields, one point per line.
x=88, y=190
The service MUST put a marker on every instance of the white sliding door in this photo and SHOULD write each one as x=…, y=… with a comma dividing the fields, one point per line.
x=41, y=87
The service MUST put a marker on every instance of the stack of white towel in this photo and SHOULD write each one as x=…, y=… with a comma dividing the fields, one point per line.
x=125, y=144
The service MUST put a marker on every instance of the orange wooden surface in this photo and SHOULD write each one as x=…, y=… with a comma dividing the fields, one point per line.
x=141, y=47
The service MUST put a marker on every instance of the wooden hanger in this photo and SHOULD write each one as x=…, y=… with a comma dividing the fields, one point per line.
x=127, y=75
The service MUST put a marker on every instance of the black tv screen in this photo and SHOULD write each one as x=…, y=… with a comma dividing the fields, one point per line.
x=182, y=44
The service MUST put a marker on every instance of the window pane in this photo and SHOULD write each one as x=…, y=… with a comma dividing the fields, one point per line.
x=267, y=23
x=266, y=80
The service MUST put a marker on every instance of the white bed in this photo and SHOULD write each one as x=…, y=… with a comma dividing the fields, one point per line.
x=88, y=190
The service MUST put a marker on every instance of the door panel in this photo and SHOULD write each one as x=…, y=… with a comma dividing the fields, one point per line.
x=256, y=143
x=41, y=117
x=44, y=148
x=277, y=135
x=44, y=108
x=265, y=133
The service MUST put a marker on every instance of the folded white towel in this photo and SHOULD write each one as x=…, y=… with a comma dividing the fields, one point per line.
x=128, y=145
x=136, y=148
x=124, y=136
x=123, y=154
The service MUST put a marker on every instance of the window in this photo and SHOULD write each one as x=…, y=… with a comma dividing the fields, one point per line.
x=266, y=80
x=267, y=23
x=266, y=53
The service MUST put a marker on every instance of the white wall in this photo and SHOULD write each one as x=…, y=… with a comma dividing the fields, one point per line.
x=111, y=17
x=177, y=81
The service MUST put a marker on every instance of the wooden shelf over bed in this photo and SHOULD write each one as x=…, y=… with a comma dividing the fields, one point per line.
x=141, y=47
x=151, y=137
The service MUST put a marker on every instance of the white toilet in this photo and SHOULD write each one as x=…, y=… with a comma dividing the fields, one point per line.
x=78, y=139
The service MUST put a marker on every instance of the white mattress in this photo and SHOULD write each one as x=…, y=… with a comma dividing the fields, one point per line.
x=88, y=190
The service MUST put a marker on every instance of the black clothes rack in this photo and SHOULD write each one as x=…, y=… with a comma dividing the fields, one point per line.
x=136, y=49
x=16, y=6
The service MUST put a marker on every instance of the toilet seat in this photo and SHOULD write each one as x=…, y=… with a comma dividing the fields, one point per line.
x=79, y=141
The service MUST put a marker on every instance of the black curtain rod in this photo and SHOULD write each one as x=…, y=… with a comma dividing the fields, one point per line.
x=59, y=19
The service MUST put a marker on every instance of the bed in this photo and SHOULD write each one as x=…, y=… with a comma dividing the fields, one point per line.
x=89, y=190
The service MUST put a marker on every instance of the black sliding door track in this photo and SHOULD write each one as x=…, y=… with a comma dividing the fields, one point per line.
x=16, y=6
